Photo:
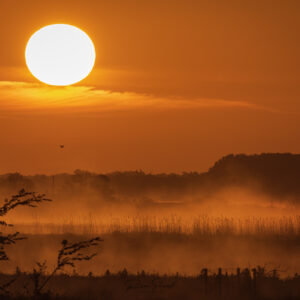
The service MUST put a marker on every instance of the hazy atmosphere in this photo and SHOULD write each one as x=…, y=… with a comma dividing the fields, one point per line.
x=176, y=85
x=149, y=150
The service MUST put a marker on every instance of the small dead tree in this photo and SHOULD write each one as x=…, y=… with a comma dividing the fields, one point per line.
x=23, y=198
x=68, y=255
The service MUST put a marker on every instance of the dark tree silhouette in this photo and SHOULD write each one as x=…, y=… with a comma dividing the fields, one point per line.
x=23, y=198
x=68, y=255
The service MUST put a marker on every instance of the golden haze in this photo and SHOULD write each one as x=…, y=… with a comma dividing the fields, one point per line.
x=176, y=85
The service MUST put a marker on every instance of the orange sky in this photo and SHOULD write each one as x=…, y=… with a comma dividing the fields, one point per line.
x=177, y=85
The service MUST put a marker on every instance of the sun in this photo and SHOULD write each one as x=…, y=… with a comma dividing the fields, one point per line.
x=60, y=54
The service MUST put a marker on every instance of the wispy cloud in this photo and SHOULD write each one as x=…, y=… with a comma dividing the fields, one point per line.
x=21, y=96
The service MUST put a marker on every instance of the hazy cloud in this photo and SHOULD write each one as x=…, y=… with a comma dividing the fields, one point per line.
x=22, y=96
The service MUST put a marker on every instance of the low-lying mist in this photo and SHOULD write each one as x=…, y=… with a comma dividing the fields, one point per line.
x=238, y=214
x=230, y=203
x=233, y=228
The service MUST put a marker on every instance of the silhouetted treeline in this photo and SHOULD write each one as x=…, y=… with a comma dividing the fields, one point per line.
x=275, y=174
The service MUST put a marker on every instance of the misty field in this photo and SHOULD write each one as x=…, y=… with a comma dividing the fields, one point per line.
x=160, y=256
x=168, y=245
x=165, y=236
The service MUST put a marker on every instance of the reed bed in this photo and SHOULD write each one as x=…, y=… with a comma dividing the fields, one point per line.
x=288, y=227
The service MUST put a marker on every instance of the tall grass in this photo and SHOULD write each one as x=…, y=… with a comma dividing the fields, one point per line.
x=286, y=227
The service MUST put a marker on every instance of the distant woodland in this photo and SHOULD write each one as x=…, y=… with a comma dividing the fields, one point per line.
x=274, y=174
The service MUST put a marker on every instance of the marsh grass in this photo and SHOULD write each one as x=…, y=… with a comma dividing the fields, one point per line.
x=281, y=227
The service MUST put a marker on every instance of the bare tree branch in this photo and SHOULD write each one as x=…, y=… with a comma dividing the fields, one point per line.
x=67, y=256
x=23, y=198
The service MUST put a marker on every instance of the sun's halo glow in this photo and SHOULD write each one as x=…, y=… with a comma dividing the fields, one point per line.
x=60, y=54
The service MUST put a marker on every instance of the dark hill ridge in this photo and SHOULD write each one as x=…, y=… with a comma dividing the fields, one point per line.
x=263, y=164
x=277, y=174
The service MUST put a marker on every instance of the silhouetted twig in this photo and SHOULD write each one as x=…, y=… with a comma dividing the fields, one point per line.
x=67, y=256
x=23, y=198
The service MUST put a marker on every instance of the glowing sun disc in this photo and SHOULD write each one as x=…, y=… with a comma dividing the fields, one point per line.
x=60, y=54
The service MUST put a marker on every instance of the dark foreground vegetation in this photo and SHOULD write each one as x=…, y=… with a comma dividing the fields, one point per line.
x=164, y=253
x=242, y=284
